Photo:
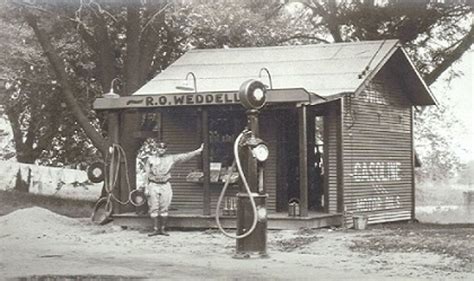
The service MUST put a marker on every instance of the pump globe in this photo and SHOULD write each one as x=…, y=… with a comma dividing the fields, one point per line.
x=258, y=94
x=252, y=94
x=261, y=152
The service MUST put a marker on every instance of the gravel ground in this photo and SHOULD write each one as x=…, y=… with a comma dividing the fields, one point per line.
x=37, y=243
x=40, y=241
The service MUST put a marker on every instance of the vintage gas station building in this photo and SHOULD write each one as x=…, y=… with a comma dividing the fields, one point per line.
x=338, y=123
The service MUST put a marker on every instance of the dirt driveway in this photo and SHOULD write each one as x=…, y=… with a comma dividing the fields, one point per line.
x=36, y=242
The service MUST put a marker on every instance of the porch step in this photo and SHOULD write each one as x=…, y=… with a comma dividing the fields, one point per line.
x=196, y=221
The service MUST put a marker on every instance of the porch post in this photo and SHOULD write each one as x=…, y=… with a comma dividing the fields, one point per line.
x=128, y=119
x=326, y=161
x=413, y=203
x=206, y=196
x=113, y=120
x=303, y=163
x=340, y=157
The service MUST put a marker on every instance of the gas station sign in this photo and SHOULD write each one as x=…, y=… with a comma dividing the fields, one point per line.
x=253, y=98
x=168, y=100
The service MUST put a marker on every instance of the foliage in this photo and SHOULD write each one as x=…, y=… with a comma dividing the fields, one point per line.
x=33, y=103
x=466, y=174
x=89, y=43
x=435, y=33
x=7, y=149
x=435, y=144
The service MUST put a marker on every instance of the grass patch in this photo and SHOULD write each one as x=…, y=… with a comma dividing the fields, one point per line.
x=440, y=193
x=14, y=200
x=452, y=240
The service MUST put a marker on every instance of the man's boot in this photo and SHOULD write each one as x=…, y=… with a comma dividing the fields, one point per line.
x=164, y=221
x=156, y=227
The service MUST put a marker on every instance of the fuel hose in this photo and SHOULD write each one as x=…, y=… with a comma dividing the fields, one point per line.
x=247, y=189
x=111, y=174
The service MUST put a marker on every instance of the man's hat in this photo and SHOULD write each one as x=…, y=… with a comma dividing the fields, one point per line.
x=162, y=145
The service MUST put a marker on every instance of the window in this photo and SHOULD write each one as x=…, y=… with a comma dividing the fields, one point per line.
x=224, y=128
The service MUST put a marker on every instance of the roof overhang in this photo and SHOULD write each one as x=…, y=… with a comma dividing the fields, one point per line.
x=418, y=91
x=308, y=74
x=274, y=96
x=397, y=59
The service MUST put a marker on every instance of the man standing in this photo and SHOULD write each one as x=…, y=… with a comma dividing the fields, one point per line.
x=157, y=186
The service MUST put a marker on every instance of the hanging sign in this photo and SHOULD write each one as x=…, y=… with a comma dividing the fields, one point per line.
x=167, y=100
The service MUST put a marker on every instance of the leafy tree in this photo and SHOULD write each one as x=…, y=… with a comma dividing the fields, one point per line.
x=86, y=44
x=435, y=33
x=33, y=102
x=90, y=44
x=466, y=175
x=435, y=127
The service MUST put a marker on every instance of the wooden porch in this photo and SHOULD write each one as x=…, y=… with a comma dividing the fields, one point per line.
x=188, y=219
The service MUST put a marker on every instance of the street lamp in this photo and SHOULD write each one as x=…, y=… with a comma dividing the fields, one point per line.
x=185, y=86
x=111, y=93
x=264, y=69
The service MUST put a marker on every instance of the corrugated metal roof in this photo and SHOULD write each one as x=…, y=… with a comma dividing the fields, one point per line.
x=324, y=69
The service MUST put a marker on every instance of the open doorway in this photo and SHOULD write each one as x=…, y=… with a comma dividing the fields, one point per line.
x=316, y=171
x=288, y=178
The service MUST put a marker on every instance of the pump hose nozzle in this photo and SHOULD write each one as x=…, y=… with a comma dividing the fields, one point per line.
x=247, y=189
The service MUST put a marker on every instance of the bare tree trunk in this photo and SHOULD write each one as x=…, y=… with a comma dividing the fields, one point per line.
x=24, y=148
x=129, y=121
x=59, y=69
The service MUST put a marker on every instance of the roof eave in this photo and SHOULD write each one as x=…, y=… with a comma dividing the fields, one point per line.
x=377, y=68
x=424, y=86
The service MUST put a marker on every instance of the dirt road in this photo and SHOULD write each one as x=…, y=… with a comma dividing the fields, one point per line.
x=36, y=242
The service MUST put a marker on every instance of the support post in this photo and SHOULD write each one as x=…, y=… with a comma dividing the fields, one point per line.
x=340, y=156
x=326, y=162
x=303, y=163
x=113, y=119
x=413, y=187
x=129, y=120
x=205, y=163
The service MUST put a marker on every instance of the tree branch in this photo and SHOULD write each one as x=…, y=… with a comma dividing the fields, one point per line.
x=152, y=18
x=451, y=57
x=15, y=125
x=131, y=65
x=149, y=42
x=303, y=36
x=104, y=51
x=329, y=17
x=59, y=69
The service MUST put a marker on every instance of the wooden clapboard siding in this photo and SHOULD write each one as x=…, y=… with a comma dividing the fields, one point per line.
x=331, y=127
x=268, y=132
x=180, y=132
x=377, y=133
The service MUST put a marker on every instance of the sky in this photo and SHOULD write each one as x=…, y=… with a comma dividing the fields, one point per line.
x=459, y=95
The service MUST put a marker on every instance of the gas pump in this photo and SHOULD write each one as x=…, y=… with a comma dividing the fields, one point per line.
x=250, y=154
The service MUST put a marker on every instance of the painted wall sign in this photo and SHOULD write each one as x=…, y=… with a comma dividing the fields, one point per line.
x=167, y=100
x=376, y=171
x=373, y=93
x=382, y=200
